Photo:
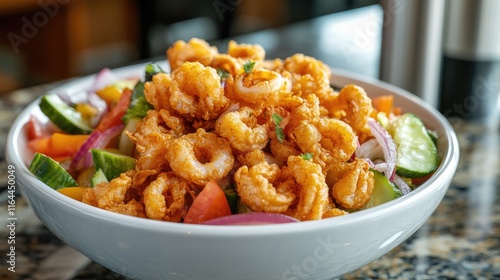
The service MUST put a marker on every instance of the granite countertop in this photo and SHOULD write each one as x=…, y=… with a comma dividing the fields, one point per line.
x=461, y=240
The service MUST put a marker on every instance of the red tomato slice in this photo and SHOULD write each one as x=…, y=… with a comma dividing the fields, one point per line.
x=115, y=115
x=35, y=129
x=211, y=203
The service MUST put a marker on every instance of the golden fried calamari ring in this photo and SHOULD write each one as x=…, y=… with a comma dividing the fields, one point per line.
x=313, y=191
x=329, y=140
x=242, y=130
x=227, y=63
x=282, y=150
x=255, y=157
x=251, y=52
x=165, y=198
x=112, y=196
x=200, y=157
x=151, y=138
x=156, y=91
x=176, y=124
x=261, y=87
x=353, y=106
x=355, y=186
x=194, y=50
x=256, y=188
x=308, y=110
x=196, y=92
x=309, y=76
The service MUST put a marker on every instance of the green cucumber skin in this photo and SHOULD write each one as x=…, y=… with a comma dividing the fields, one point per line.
x=51, y=172
x=98, y=178
x=417, y=154
x=112, y=164
x=232, y=199
x=63, y=116
x=383, y=191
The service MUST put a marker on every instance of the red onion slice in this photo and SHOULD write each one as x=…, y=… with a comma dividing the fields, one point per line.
x=253, y=218
x=369, y=149
x=388, y=146
x=104, y=78
x=102, y=108
x=97, y=140
x=401, y=184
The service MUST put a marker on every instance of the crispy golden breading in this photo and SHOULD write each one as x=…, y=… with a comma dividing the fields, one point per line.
x=274, y=129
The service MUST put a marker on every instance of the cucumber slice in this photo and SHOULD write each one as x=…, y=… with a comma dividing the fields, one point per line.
x=232, y=199
x=125, y=145
x=63, y=116
x=98, y=178
x=417, y=154
x=383, y=191
x=51, y=172
x=112, y=164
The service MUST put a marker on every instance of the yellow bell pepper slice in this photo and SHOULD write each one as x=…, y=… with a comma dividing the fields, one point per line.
x=111, y=94
x=73, y=192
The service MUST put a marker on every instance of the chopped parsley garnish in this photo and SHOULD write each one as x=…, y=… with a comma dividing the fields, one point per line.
x=279, y=130
x=248, y=66
x=306, y=156
x=139, y=106
x=151, y=70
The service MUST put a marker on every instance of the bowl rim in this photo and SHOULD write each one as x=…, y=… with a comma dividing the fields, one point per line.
x=443, y=174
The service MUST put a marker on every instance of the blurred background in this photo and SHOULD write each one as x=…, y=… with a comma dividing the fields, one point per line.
x=48, y=40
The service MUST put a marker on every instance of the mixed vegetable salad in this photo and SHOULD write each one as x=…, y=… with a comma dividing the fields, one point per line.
x=85, y=144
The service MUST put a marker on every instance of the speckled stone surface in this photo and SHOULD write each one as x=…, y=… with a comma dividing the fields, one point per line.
x=461, y=240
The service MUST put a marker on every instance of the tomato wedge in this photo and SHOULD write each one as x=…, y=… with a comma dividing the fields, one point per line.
x=115, y=115
x=35, y=129
x=211, y=203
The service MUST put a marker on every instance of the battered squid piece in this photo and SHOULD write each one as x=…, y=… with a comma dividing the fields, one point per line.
x=329, y=140
x=227, y=63
x=332, y=211
x=195, y=50
x=310, y=182
x=200, y=157
x=246, y=51
x=242, y=130
x=309, y=76
x=196, y=92
x=353, y=184
x=272, y=64
x=176, y=124
x=255, y=157
x=262, y=88
x=282, y=150
x=112, y=196
x=165, y=198
x=156, y=91
x=353, y=106
x=256, y=187
x=151, y=139
x=308, y=110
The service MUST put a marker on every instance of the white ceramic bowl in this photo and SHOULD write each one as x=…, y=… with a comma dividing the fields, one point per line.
x=324, y=249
